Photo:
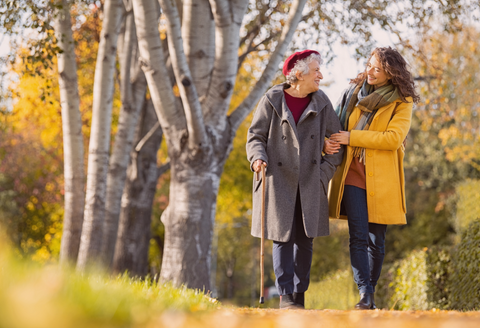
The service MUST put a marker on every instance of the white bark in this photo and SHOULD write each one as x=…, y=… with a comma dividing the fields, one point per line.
x=133, y=87
x=90, y=245
x=74, y=173
x=242, y=111
x=228, y=20
x=171, y=118
x=199, y=42
x=189, y=226
x=193, y=112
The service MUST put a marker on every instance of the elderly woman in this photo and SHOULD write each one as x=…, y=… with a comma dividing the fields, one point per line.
x=368, y=188
x=286, y=136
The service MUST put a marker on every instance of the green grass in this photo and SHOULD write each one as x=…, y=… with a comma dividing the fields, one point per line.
x=52, y=296
x=336, y=291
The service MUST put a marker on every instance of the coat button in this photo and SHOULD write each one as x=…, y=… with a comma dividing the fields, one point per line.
x=312, y=136
x=372, y=193
x=279, y=163
x=370, y=154
x=284, y=137
x=314, y=161
x=370, y=174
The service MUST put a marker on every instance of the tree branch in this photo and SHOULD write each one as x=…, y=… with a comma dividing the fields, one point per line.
x=228, y=19
x=198, y=31
x=145, y=138
x=153, y=64
x=252, y=48
x=241, y=112
x=197, y=135
x=163, y=168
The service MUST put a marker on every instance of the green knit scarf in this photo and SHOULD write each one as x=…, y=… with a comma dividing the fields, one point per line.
x=368, y=101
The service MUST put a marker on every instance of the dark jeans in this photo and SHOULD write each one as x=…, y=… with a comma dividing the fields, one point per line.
x=292, y=260
x=367, y=240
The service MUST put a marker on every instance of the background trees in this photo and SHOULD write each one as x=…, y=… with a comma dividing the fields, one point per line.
x=206, y=65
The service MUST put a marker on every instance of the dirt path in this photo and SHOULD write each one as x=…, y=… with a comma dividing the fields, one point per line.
x=260, y=318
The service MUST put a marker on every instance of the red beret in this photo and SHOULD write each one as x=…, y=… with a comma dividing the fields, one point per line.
x=292, y=60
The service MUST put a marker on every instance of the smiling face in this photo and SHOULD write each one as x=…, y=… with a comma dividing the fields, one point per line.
x=376, y=75
x=310, y=82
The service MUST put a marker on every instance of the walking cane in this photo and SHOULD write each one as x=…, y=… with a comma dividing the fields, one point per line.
x=262, y=230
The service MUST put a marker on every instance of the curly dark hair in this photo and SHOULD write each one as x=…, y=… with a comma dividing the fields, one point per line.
x=395, y=65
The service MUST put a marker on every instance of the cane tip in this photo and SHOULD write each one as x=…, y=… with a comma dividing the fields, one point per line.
x=261, y=300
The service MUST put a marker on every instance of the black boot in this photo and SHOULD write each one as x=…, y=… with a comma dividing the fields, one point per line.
x=373, y=302
x=366, y=302
x=299, y=299
x=287, y=302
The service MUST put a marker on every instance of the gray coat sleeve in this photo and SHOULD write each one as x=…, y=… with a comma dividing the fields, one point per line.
x=258, y=132
x=330, y=162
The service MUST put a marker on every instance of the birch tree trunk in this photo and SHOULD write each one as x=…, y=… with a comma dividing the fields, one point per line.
x=133, y=87
x=74, y=173
x=133, y=242
x=198, y=156
x=92, y=231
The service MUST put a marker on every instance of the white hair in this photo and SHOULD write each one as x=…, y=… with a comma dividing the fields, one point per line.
x=301, y=66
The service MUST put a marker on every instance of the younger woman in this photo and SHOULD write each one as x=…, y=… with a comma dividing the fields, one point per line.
x=368, y=188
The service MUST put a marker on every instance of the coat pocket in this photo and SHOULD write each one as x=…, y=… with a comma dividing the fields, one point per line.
x=256, y=184
x=324, y=182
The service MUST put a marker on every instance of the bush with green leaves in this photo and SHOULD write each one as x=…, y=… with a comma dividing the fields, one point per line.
x=418, y=282
x=467, y=204
x=465, y=279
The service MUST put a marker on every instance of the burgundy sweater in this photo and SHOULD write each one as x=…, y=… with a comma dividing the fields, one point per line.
x=297, y=105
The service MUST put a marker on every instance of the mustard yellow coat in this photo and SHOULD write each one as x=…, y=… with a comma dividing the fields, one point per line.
x=384, y=147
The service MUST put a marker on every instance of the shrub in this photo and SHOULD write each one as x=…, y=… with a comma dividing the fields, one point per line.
x=465, y=280
x=384, y=290
x=410, y=290
x=467, y=204
x=439, y=272
x=418, y=282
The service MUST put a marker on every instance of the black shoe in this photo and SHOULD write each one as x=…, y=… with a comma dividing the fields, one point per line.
x=374, y=307
x=366, y=302
x=299, y=299
x=287, y=302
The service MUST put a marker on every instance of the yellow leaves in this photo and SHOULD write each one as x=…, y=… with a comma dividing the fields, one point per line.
x=176, y=91
x=30, y=207
x=34, y=115
x=450, y=95
x=49, y=186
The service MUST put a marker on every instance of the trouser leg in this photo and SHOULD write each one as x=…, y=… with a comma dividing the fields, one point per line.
x=283, y=266
x=355, y=202
x=292, y=260
x=303, y=252
x=376, y=251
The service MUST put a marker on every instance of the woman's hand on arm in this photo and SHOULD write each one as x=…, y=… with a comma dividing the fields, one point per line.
x=342, y=137
x=331, y=147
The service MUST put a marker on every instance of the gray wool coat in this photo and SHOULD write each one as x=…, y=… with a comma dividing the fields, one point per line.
x=293, y=154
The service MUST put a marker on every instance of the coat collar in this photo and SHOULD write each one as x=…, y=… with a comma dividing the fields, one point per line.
x=277, y=98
